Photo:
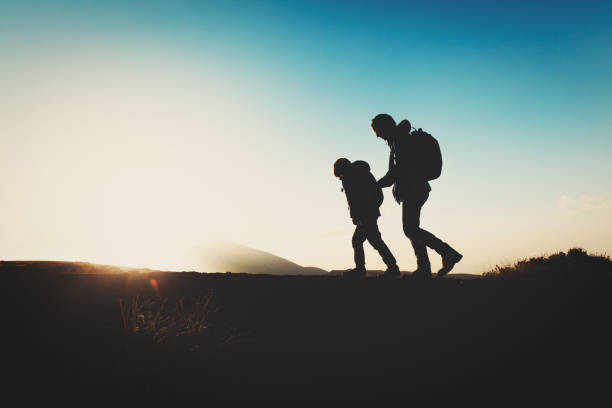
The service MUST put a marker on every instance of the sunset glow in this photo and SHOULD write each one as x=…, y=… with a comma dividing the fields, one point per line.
x=134, y=140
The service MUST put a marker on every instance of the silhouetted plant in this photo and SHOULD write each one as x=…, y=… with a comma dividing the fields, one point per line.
x=185, y=325
x=575, y=263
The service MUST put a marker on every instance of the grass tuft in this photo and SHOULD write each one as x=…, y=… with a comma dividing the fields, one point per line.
x=186, y=325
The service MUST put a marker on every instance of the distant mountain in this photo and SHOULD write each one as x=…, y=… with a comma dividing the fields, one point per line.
x=218, y=257
x=230, y=257
x=64, y=267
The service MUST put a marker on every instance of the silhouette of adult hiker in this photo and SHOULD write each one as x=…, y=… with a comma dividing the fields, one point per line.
x=414, y=160
x=364, y=197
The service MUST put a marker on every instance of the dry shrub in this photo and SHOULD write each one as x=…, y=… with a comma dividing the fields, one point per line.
x=576, y=263
x=186, y=325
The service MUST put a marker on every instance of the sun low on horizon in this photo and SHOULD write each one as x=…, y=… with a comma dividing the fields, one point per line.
x=141, y=133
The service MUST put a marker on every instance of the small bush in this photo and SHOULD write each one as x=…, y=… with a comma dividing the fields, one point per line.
x=575, y=263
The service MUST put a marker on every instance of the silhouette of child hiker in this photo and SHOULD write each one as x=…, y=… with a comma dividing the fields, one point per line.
x=364, y=197
x=414, y=160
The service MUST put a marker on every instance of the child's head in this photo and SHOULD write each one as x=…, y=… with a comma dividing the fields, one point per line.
x=340, y=166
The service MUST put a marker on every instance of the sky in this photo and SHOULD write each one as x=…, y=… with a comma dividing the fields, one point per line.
x=136, y=133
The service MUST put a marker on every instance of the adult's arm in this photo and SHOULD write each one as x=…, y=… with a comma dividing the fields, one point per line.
x=388, y=179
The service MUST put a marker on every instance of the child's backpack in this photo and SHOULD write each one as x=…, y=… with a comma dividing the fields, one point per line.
x=419, y=154
x=368, y=188
x=378, y=194
x=377, y=191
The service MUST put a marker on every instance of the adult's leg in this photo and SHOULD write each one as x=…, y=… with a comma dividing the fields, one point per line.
x=359, y=237
x=375, y=239
x=411, y=214
x=420, y=238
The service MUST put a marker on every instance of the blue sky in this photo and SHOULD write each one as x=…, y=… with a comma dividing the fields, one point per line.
x=518, y=93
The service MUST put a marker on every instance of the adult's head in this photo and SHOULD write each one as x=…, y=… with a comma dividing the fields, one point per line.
x=384, y=126
x=340, y=166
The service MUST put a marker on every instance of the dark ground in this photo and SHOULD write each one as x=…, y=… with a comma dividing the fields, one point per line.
x=495, y=340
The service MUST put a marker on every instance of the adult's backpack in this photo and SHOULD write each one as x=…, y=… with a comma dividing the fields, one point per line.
x=420, y=153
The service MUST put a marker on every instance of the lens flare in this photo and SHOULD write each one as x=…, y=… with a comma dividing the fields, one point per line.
x=154, y=285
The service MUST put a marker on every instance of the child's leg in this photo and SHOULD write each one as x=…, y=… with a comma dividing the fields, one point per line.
x=375, y=239
x=359, y=237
